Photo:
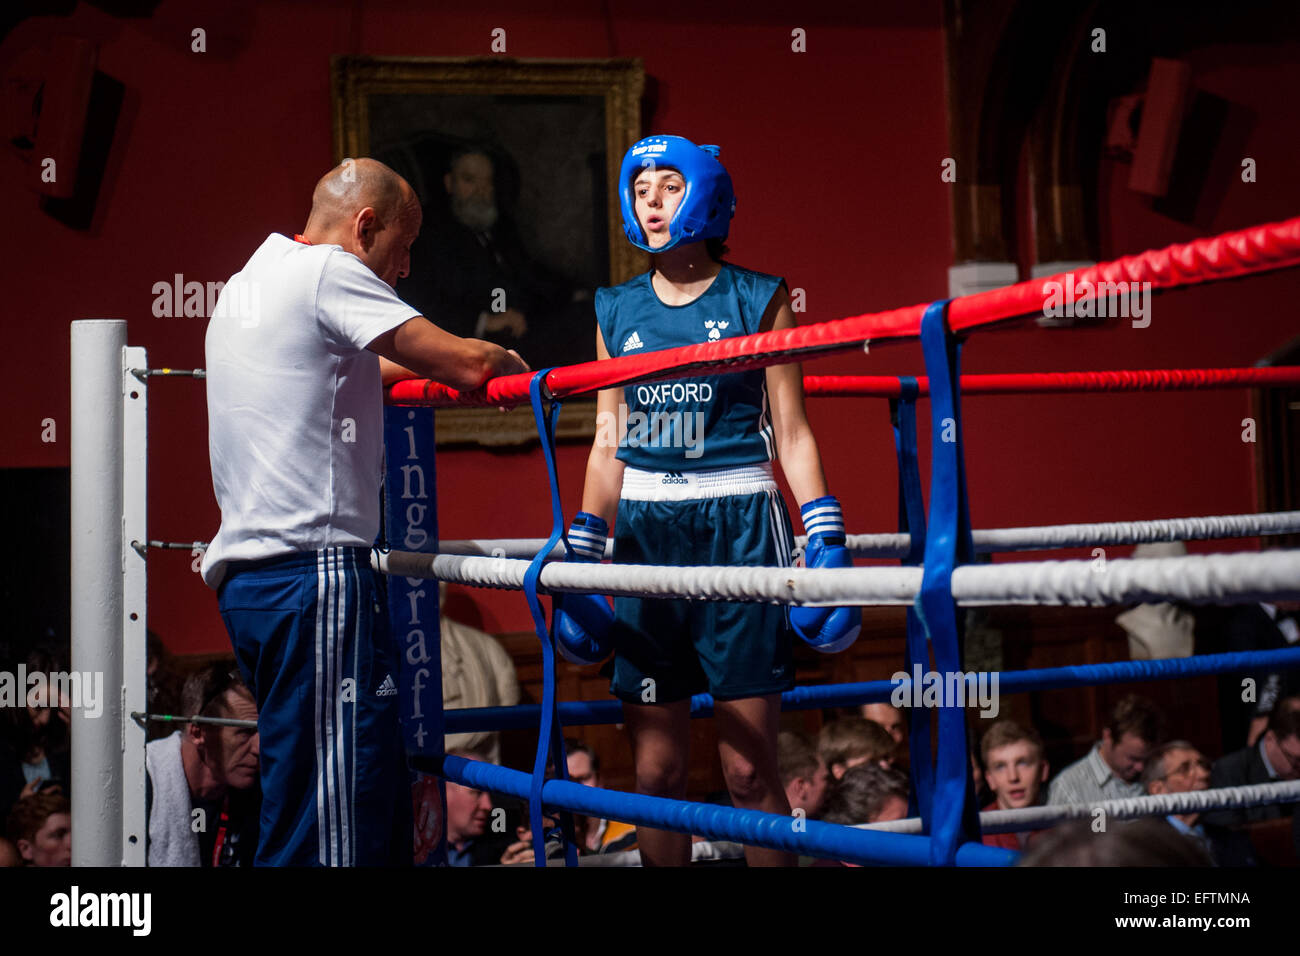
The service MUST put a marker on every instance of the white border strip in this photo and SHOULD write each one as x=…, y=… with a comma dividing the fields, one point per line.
x=990, y=541
x=1164, y=804
x=1196, y=579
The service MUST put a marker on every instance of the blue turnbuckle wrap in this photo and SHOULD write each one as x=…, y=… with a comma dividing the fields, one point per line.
x=953, y=817
x=550, y=736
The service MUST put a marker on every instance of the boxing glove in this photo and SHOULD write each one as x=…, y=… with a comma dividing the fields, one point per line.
x=827, y=629
x=581, y=624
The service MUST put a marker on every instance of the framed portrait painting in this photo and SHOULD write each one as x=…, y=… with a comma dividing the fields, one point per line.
x=513, y=162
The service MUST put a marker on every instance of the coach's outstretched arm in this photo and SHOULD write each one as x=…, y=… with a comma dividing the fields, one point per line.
x=419, y=349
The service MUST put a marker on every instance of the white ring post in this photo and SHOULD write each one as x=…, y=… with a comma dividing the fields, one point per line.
x=133, y=400
x=96, y=610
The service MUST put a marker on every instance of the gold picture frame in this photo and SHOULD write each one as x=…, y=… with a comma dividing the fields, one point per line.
x=545, y=126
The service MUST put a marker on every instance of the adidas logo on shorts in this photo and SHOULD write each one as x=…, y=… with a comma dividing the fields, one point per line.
x=387, y=688
x=633, y=342
x=674, y=478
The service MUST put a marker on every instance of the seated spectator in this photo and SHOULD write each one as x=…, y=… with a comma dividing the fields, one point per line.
x=1249, y=627
x=1015, y=769
x=477, y=831
x=34, y=746
x=1140, y=843
x=851, y=741
x=868, y=793
x=40, y=826
x=1112, y=769
x=201, y=789
x=594, y=835
x=476, y=672
x=1178, y=767
x=803, y=773
x=1275, y=757
x=892, y=719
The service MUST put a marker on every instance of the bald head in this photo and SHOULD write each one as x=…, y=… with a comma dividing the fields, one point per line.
x=355, y=185
x=370, y=211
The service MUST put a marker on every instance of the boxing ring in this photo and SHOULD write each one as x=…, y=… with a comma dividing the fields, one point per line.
x=937, y=573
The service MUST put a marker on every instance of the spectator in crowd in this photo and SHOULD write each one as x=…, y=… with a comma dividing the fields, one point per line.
x=40, y=826
x=201, y=794
x=164, y=686
x=594, y=835
x=1275, y=757
x=803, y=773
x=9, y=855
x=1140, y=843
x=1015, y=770
x=1249, y=627
x=1112, y=769
x=34, y=746
x=1178, y=767
x=476, y=672
x=892, y=719
x=477, y=830
x=869, y=793
x=850, y=741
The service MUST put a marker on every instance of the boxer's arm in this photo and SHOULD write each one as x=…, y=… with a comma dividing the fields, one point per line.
x=604, y=483
x=418, y=347
x=390, y=372
x=796, y=447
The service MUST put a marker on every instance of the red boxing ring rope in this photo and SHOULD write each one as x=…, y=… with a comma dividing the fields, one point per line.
x=1144, y=380
x=1227, y=256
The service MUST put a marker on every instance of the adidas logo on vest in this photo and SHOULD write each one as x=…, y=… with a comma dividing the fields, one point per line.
x=674, y=478
x=387, y=688
x=633, y=342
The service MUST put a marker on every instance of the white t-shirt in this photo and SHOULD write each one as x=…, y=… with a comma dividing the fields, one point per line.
x=295, y=403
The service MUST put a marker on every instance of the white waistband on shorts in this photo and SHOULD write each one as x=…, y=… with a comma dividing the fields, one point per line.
x=642, y=485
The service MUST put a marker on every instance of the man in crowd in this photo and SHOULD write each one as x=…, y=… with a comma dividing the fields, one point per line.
x=1015, y=770
x=1178, y=767
x=201, y=795
x=1113, y=768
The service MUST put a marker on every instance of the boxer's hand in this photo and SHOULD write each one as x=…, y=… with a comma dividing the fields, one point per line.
x=826, y=629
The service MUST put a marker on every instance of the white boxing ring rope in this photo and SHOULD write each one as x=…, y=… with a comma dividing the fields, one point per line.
x=1194, y=579
x=990, y=541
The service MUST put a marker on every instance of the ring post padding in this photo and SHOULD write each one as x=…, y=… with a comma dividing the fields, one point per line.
x=411, y=522
x=948, y=540
x=550, y=736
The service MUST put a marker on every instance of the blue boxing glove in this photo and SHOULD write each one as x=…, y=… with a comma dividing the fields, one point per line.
x=827, y=629
x=581, y=623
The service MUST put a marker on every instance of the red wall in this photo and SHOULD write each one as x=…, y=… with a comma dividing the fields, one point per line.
x=835, y=153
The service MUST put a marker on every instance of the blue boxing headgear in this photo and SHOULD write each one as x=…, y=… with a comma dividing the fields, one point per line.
x=708, y=203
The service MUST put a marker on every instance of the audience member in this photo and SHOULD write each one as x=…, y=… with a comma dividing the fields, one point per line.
x=40, y=826
x=803, y=773
x=850, y=741
x=1275, y=757
x=1249, y=627
x=201, y=794
x=1112, y=769
x=1015, y=769
x=9, y=855
x=1140, y=843
x=594, y=835
x=477, y=830
x=34, y=748
x=1178, y=767
x=892, y=719
x=869, y=793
